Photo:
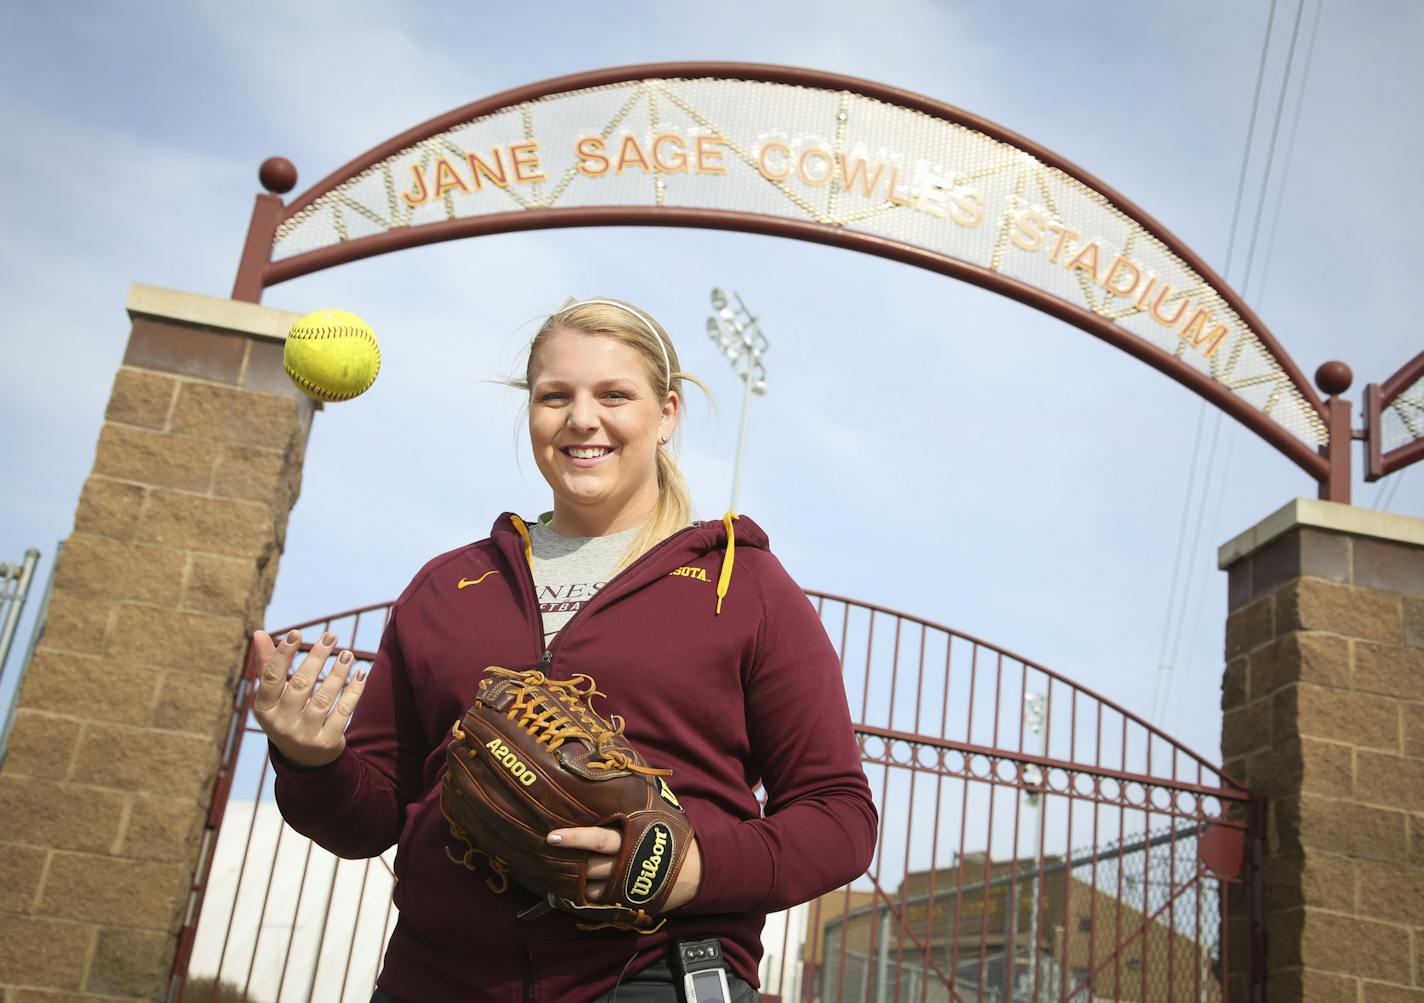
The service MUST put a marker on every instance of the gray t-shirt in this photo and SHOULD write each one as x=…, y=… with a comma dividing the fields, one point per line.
x=569, y=570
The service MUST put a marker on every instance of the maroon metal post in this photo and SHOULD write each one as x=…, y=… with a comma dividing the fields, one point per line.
x=1374, y=463
x=1334, y=379
x=257, y=252
x=278, y=176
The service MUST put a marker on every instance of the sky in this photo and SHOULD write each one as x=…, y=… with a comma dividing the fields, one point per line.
x=925, y=445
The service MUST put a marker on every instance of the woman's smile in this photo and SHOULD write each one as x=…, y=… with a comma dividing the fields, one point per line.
x=582, y=457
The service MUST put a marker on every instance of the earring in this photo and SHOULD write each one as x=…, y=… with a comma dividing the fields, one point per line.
x=662, y=440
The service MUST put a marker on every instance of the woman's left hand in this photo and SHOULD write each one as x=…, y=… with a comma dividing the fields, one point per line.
x=603, y=845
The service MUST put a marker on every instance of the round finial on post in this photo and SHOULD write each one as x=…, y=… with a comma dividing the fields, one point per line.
x=1333, y=377
x=278, y=175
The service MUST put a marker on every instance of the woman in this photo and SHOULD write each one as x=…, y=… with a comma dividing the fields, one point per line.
x=725, y=677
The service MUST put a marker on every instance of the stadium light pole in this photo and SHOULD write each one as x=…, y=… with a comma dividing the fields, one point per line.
x=1035, y=717
x=738, y=334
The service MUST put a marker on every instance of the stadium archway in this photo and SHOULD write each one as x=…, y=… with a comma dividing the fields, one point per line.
x=831, y=159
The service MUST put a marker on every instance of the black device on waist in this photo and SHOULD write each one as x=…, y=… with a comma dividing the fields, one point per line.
x=703, y=973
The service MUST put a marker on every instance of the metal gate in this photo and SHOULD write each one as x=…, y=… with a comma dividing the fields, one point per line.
x=1037, y=842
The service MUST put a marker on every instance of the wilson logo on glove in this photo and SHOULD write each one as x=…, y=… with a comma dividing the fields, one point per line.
x=503, y=754
x=649, y=870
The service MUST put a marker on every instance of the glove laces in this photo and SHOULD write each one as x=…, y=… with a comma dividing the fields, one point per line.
x=499, y=883
x=569, y=716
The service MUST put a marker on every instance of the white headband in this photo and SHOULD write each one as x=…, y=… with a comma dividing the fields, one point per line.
x=647, y=322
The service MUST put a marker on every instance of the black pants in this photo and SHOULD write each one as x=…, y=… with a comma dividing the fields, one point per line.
x=654, y=984
x=658, y=984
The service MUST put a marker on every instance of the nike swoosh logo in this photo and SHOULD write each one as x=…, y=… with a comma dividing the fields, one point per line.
x=475, y=581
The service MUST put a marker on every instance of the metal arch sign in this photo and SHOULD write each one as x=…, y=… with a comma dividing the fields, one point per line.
x=821, y=157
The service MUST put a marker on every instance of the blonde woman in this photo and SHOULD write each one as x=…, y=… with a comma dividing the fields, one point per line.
x=702, y=641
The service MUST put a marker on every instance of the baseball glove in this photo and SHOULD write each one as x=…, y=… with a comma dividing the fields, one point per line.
x=531, y=755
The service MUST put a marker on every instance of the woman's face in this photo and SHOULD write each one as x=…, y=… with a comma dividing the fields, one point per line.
x=592, y=390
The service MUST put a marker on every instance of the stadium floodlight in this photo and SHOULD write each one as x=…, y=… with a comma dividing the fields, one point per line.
x=738, y=334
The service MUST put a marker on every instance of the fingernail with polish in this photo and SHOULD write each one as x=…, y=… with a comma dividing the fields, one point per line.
x=555, y=838
x=328, y=638
x=344, y=658
x=293, y=636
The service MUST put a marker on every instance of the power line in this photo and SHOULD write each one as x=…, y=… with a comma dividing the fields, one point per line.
x=1392, y=486
x=1263, y=285
x=1250, y=138
x=1232, y=430
x=1189, y=596
x=1245, y=281
x=1223, y=484
x=1251, y=251
x=1164, y=668
x=1384, y=496
x=1389, y=489
x=1271, y=153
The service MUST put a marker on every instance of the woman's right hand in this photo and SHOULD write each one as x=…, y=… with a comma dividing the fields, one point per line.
x=306, y=724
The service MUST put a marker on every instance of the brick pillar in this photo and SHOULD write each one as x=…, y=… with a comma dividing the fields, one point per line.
x=123, y=710
x=1324, y=716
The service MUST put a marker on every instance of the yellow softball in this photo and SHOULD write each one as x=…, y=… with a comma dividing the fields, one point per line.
x=332, y=355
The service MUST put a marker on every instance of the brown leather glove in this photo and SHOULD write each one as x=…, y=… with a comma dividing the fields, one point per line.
x=532, y=755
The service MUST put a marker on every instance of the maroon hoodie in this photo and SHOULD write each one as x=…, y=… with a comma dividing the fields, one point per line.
x=725, y=678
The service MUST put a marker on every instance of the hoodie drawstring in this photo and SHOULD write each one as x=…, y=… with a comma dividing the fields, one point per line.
x=724, y=580
x=524, y=534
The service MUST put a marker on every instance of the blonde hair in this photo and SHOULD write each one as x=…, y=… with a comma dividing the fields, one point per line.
x=638, y=330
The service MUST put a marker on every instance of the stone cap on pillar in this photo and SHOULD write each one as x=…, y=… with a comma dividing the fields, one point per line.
x=210, y=338
x=209, y=311
x=1331, y=516
x=1320, y=539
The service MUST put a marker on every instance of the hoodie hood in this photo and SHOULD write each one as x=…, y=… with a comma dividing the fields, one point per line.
x=511, y=533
